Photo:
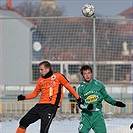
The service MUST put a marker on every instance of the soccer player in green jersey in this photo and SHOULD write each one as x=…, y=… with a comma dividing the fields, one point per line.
x=93, y=92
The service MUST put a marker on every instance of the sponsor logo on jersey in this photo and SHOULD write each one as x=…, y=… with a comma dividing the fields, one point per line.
x=90, y=92
x=48, y=84
x=91, y=98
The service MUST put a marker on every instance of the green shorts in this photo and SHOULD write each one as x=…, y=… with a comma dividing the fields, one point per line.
x=92, y=120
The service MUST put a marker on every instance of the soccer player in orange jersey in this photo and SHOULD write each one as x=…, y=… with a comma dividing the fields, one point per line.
x=50, y=85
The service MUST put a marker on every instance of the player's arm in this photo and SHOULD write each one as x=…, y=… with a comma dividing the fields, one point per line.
x=63, y=80
x=67, y=85
x=80, y=101
x=71, y=90
x=110, y=100
x=31, y=95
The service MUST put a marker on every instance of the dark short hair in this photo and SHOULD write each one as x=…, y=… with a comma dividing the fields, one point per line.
x=85, y=67
x=45, y=63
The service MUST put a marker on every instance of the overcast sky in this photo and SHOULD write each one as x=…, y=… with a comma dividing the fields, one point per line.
x=103, y=7
x=73, y=7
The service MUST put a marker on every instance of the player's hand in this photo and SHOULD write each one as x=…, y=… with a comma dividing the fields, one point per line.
x=90, y=106
x=131, y=126
x=21, y=97
x=80, y=102
x=119, y=104
x=82, y=106
x=85, y=107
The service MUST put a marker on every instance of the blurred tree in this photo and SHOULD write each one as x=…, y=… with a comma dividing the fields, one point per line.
x=30, y=9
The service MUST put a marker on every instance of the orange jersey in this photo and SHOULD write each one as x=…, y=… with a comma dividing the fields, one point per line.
x=51, y=89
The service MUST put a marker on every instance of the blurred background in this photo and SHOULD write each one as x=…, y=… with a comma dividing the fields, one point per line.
x=56, y=30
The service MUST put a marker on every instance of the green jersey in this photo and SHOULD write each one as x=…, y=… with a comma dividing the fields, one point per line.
x=94, y=92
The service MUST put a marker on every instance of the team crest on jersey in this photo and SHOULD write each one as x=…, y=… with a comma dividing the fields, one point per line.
x=53, y=77
x=91, y=98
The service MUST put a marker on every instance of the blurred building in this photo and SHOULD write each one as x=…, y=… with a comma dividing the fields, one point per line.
x=127, y=13
x=15, y=46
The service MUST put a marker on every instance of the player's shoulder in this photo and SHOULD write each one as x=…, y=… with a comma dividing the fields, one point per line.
x=40, y=79
x=98, y=82
x=59, y=75
x=80, y=85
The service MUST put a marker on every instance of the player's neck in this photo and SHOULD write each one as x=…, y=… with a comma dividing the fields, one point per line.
x=88, y=81
x=48, y=74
